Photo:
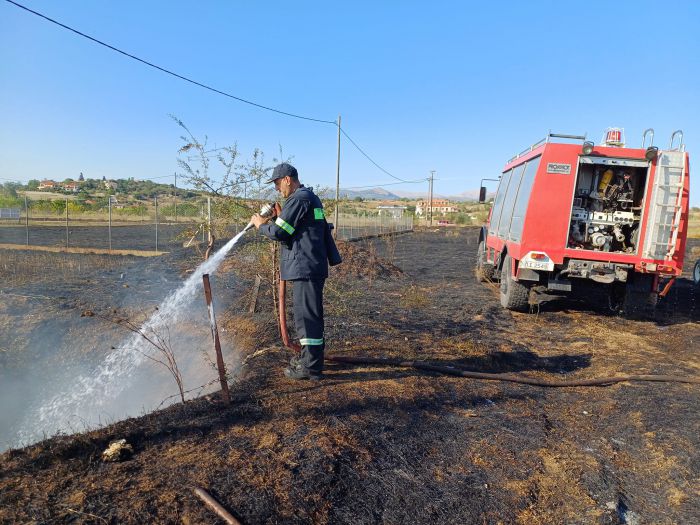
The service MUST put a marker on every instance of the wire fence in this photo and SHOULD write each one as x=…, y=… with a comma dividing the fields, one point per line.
x=354, y=227
x=159, y=225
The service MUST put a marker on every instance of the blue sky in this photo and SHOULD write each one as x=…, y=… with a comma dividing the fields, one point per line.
x=455, y=87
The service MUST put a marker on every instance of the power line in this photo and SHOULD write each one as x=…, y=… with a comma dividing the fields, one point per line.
x=387, y=184
x=202, y=85
x=164, y=70
x=368, y=157
x=153, y=178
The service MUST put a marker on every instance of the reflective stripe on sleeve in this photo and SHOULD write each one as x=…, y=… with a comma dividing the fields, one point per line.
x=284, y=225
x=319, y=215
x=310, y=342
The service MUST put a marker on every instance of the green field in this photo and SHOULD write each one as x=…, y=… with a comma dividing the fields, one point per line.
x=694, y=224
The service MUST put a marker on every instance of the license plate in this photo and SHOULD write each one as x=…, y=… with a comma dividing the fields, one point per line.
x=534, y=265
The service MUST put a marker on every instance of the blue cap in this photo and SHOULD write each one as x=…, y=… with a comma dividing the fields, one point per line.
x=281, y=171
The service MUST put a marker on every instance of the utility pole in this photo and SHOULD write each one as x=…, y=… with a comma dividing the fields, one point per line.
x=430, y=198
x=337, y=187
x=175, y=197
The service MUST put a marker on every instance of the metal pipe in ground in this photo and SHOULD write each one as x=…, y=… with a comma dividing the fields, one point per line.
x=215, y=335
x=216, y=507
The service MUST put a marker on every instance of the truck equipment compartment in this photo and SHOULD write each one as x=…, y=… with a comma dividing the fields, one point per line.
x=606, y=211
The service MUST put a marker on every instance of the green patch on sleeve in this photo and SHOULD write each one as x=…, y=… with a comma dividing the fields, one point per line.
x=318, y=214
x=284, y=225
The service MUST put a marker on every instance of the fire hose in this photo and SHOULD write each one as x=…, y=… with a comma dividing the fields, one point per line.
x=448, y=370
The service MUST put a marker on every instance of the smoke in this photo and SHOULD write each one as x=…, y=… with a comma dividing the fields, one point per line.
x=72, y=387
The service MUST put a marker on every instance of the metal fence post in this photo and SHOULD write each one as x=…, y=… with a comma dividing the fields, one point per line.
x=209, y=220
x=204, y=232
x=223, y=381
x=175, y=196
x=110, y=223
x=156, y=203
x=26, y=218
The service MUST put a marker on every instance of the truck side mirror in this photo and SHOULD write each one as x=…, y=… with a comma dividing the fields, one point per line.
x=482, y=194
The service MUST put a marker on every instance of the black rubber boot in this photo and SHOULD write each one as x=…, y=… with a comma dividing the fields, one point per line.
x=299, y=371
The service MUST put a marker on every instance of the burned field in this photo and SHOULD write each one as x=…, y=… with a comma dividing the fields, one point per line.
x=374, y=444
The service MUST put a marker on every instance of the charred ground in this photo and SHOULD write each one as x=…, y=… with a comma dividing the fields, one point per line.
x=372, y=444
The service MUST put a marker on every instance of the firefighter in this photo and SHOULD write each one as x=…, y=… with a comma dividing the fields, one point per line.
x=301, y=228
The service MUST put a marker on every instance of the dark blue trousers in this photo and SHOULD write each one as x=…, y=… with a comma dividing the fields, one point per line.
x=308, y=319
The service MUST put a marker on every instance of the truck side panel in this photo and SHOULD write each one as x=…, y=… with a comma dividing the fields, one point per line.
x=546, y=224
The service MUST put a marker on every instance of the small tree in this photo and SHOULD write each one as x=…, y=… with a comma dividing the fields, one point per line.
x=238, y=187
x=163, y=350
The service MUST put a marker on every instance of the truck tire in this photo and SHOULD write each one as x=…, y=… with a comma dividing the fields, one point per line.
x=484, y=271
x=640, y=300
x=696, y=273
x=514, y=295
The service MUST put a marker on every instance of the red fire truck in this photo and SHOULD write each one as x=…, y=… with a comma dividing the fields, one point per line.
x=569, y=213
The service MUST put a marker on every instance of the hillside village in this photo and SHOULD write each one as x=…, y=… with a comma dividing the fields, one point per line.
x=132, y=196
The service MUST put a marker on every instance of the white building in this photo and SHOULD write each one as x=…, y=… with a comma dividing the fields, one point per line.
x=395, y=212
x=440, y=207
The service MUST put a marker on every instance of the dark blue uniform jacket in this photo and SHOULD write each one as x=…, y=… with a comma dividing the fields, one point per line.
x=301, y=228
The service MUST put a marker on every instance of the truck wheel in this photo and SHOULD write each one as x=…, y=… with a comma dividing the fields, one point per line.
x=640, y=300
x=696, y=273
x=484, y=271
x=514, y=295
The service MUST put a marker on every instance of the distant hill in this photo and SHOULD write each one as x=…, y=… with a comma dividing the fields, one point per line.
x=414, y=194
x=369, y=194
x=466, y=196
x=469, y=195
x=382, y=194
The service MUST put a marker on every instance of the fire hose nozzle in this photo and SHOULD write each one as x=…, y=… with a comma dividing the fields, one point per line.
x=266, y=211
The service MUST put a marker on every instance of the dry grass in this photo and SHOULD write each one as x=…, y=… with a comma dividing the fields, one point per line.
x=363, y=262
x=557, y=483
x=253, y=258
x=26, y=266
x=412, y=447
x=98, y=251
x=694, y=224
x=251, y=331
x=341, y=302
x=414, y=297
